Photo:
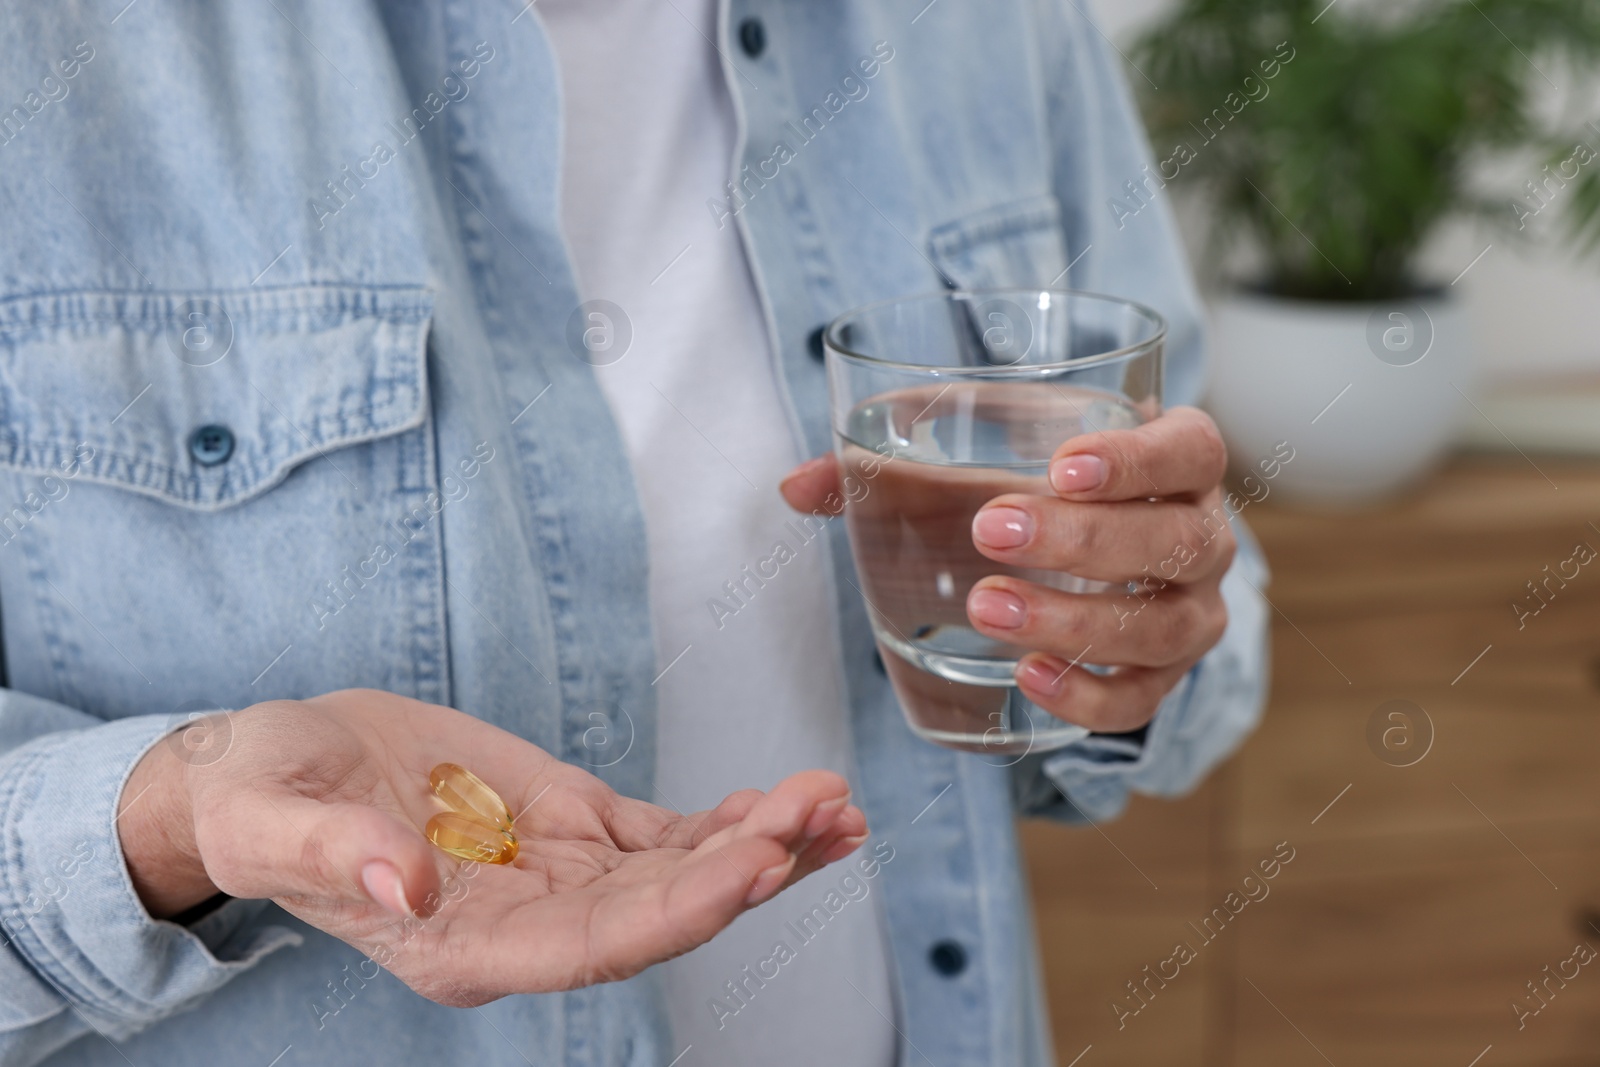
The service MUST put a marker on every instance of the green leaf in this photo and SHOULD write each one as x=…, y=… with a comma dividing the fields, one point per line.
x=1358, y=130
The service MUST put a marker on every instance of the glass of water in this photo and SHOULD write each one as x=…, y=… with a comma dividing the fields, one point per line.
x=940, y=404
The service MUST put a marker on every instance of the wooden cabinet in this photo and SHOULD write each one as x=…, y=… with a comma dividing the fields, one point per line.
x=1423, y=898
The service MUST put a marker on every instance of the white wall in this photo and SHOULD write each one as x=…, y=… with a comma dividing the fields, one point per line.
x=1536, y=309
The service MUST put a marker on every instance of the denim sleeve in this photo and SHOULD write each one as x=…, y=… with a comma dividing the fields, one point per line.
x=1122, y=236
x=81, y=956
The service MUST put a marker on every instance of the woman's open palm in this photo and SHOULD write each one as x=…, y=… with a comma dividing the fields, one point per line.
x=319, y=805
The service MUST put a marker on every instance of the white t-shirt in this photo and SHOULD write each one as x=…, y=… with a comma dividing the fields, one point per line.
x=746, y=699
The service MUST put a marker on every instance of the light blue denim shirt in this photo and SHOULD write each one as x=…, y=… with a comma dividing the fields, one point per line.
x=289, y=403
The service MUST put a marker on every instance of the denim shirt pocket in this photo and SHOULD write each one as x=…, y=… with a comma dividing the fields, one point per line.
x=185, y=471
x=116, y=386
x=1014, y=244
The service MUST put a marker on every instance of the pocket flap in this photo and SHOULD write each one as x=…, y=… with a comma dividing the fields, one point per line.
x=117, y=386
x=1015, y=244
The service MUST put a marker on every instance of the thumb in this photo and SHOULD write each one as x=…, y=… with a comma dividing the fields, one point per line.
x=293, y=846
x=808, y=486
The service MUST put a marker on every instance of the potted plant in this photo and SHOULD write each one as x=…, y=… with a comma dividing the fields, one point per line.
x=1331, y=143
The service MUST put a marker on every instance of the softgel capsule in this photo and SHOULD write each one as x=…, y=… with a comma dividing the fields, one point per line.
x=478, y=825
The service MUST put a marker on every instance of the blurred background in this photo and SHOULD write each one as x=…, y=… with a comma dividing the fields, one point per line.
x=1392, y=209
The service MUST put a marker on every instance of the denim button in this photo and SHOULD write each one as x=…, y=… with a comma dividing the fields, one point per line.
x=948, y=958
x=210, y=445
x=814, y=343
x=752, y=37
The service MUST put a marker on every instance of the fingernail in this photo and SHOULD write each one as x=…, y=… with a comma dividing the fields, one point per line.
x=1043, y=676
x=1074, y=474
x=1003, y=527
x=383, y=884
x=823, y=817
x=769, y=881
x=997, y=608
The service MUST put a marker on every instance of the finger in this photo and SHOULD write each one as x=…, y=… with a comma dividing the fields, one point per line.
x=732, y=810
x=731, y=872
x=636, y=825
x=796, y=811
x=1158, y=541
x=1148, y=629
x=851, y=825
x=1177, y=453
x=1112, y=703
x=808, y=486
x=616, y=928
x=843, y=847
x=290, y=846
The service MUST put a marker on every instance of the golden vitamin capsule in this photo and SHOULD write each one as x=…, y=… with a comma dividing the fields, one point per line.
x=470, y=838
x=463, y=791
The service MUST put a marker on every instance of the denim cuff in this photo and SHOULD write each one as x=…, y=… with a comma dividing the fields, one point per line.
x=69, y=906
x=1093, y=774
x=1204, y=717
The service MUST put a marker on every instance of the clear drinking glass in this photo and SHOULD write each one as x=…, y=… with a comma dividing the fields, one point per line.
x=940, y=404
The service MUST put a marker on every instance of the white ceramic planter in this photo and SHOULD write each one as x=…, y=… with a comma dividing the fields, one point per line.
x=1368, y=396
